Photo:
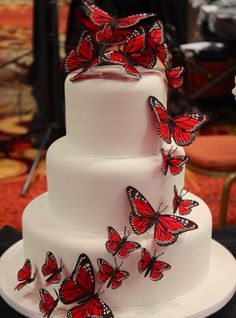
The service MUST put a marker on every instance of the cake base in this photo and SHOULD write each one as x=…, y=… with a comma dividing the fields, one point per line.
x=209, y=297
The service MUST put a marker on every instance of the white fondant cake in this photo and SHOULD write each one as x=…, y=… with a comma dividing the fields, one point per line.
x=111, y=143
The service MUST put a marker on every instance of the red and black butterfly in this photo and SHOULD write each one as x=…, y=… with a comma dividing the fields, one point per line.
x=151, y=265
x=174, y=163
x=108, y=23
x=106, y=34
x=114, y=276
x=155, y=35
x=82, y=57
x=133, y=52
x=47, y=303
x=155, y=40
x=120, y=246
x=175, y=76
x=167, y=227
x=184, y=206
x=79, y=287
x=182, y=128
x=50, y=267
x=24, y=275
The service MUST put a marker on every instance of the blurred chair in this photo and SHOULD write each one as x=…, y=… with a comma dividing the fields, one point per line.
x=215, y=155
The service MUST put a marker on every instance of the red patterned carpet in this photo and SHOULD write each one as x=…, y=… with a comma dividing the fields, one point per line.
x=17, y=107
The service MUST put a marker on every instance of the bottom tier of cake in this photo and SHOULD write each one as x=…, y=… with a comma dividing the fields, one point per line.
x=188, y=257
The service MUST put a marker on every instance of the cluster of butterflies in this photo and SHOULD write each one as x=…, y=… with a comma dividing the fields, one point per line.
x=79, y=286
x=111, y=40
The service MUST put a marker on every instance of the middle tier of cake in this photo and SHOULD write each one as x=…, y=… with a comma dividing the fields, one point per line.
x=90, y=192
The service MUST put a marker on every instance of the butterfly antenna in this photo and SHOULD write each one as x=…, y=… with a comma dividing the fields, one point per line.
x=99, y=291
x=126, y=233
x=175, y=150
x=170, y=152
x=120, y=265
x=183, y=194
x=160, y=254
x=56, y=293
x=186, y=192
x=159, y=209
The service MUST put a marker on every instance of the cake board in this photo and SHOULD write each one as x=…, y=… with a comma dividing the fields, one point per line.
x=216, y=290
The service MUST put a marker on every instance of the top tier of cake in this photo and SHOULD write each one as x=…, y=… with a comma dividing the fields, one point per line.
x=107, y=113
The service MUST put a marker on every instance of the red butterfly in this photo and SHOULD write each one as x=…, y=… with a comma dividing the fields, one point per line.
x=47, y=303
x=83, y=57
x=114, y=275
x=183, y=128
x=24, y=275
x=106, y=34
x=120, y=246
x=79, y=287
x=175, y=163
x=103, y=19
x=167, y=227
x=175, y=76
x=155, y=40
x=155, y=35
x=152, y=267
x=133, y=53
x=184, y=206
x=50, y=267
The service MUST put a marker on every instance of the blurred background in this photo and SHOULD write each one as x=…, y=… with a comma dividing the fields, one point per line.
x=35, y=38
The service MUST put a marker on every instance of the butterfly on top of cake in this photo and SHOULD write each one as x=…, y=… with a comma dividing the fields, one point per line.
x=108, y=40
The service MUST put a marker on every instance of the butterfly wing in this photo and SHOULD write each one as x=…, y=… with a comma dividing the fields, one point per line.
x=50, y=264
x=132, y=20
x=131, y=50
x=47, y=303
x=135, y=42
x=92, y=63
x=105, y=271
x=50, y=267
x=175, y=76
x=162, y=53
x=169, y=226
x=145, y=58
x=25, y=272
x=105, y=34
x=186, y=126
x=176, y=200
x=155, y=35
x=118, y=279
x=83, y=53
x=81, y=282
x=142, y=215
x=114, y=240
x=176, y=164
x=97, y=15
x=24, y=275
x=128, y=247
x=186, y=206
x=95, y=307
x=162, y=125
x=157, y=269
x=144, y=261
x=165, y=164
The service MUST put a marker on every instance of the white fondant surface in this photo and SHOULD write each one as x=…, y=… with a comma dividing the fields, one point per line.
x=189, y=256
x=107, y=111
x=89, y=192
